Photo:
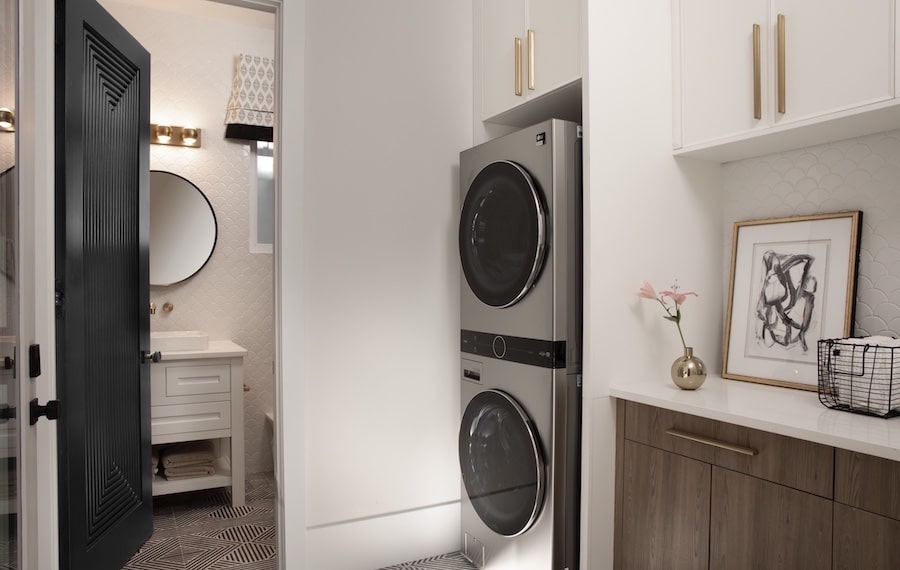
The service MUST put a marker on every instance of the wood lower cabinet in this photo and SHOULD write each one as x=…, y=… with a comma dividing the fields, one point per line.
x=759, y=524
x=694, y=493
x=866, y=512
x=666, y=523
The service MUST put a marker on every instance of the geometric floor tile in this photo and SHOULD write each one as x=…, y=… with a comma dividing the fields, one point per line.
x=451, y=561
x=202, y=531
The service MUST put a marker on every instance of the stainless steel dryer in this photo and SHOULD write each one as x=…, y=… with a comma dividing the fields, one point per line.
x=521, y=315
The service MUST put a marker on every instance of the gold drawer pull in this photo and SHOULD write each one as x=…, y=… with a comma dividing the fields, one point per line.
x=713, y=442
x=531, y=60
x=517, y=61
x=757, y=82
x=782, y=88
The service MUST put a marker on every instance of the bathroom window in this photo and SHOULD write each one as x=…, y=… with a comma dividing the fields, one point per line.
x=262, y=197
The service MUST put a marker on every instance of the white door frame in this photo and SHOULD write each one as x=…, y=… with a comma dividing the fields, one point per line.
x=35, y=117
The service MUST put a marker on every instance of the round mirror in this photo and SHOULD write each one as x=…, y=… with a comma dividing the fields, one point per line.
x=182, y=228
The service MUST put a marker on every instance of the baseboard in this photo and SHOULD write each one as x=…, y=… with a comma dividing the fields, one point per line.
x=376, y=542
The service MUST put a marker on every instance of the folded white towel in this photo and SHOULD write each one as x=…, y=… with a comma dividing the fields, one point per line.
x=189, y=472
x=188, y=453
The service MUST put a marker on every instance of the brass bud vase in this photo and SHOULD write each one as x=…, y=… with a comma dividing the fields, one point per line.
x=688, y=371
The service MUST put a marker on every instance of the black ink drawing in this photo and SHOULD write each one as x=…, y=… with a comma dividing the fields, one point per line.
x=786, y=300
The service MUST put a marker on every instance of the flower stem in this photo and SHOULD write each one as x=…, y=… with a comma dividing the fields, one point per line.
x=684, y=344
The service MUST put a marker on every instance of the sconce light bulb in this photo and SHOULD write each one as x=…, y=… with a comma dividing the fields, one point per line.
x=7, y=119
x=189, y=135
x=164, y=133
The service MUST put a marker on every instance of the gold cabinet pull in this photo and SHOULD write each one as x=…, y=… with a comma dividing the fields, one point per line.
x=713, y=442
x=518, y=63
x=781, y=65
x=531, y=59
x=757, y=88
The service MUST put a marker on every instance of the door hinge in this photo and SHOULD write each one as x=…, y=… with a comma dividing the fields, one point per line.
x=51, y=410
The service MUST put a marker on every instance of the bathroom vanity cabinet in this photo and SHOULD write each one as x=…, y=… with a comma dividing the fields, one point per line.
x=198, y=395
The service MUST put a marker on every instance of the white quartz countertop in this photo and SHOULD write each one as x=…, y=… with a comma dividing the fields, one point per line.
x=785, y=411
x=216, y=349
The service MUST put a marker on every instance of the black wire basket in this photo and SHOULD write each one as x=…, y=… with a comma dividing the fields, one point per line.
x=859, y=378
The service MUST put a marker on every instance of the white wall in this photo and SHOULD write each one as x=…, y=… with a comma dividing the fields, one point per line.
x=649, y=217
x=388, y=108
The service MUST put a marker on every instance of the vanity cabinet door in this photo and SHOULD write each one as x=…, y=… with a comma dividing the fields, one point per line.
x=760, y=524
x=666, y=516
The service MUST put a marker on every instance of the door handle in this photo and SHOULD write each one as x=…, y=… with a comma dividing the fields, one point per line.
x=51, y=410
x=153, y=356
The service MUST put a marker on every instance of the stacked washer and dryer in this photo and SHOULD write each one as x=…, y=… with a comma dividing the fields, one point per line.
x=520, y=246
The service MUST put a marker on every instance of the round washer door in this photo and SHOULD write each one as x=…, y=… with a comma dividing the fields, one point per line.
x=502, y=234
x=501, y=463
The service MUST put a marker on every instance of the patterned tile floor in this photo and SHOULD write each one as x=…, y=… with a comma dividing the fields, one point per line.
x=452, y=561
x=202, y=531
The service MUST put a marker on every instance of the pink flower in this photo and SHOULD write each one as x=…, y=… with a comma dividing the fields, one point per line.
x=672, y=313
x=677, y=297
x=647, y=291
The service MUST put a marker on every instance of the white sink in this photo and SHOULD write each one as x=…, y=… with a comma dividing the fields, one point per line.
x=166, y=341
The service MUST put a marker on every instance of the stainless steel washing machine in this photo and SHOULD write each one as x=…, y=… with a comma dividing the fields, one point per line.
x=521, y=315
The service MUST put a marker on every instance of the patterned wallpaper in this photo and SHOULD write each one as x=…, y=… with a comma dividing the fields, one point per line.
x=192, y=67
x=854, y=174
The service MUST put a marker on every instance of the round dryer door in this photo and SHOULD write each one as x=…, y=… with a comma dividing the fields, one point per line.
x=502, y=234
x=501, y=462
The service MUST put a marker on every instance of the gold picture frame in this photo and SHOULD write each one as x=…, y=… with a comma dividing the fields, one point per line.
x=792, y=282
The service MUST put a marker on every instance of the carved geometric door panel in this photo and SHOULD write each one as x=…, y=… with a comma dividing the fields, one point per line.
x=102, y=281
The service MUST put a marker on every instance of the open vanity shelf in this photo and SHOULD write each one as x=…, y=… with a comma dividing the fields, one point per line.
x=199, y=395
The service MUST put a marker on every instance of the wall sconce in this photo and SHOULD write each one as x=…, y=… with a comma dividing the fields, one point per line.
x=7, y=120
x=177, y=136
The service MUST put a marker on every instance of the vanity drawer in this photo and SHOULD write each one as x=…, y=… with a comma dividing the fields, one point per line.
x=174, y=380
x=652, y=426
x=184, y=418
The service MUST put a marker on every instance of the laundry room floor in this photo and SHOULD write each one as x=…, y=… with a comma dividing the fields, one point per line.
x=451, y=561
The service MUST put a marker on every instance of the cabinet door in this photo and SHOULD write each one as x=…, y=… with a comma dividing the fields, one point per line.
x=502, y=21
x=557, y=44
x=838, y=55
x=716, y=41
x=665, y=517
x=864, y=540
x=758, y=524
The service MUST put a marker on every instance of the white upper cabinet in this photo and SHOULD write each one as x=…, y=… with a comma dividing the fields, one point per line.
x=526, y=48
x=756, y=68
x=837, y=55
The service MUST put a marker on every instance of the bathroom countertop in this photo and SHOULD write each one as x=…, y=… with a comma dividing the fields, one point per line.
x=785, y=411
x=217, y=349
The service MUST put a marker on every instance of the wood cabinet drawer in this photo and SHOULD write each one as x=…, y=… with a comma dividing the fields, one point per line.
x=785, y=460
x=173, y=380
x=649, y=425
x=867, y=482
x=183, y=418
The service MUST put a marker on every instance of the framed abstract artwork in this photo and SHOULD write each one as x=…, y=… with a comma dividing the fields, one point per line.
x=793, y=282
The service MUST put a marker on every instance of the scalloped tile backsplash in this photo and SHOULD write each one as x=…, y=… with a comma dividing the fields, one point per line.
x=854, y=174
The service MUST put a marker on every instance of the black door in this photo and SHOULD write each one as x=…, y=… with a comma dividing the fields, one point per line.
x=502, y=234
x=501, y=463
x=102, y=281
